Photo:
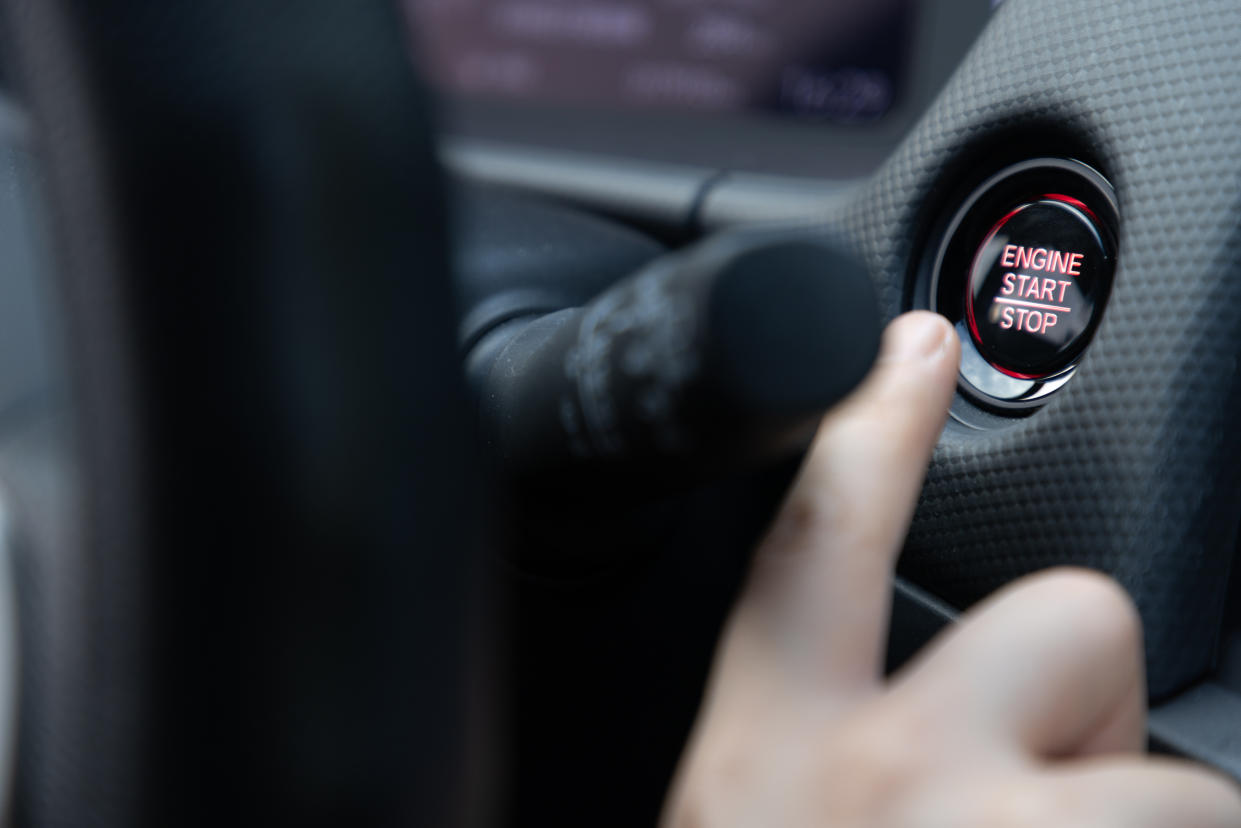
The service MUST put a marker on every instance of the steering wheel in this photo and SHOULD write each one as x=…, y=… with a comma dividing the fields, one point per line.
x=235, y=468
x=237, y=472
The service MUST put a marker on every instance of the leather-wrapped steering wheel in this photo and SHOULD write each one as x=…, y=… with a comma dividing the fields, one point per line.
x=239, y=483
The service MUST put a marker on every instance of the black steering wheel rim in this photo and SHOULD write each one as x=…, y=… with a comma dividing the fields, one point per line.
x=259, y=607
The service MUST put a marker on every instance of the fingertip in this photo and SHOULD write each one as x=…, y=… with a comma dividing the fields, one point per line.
x=883, y=435
x=916, y=335
x=919, y=358
x=906, y=399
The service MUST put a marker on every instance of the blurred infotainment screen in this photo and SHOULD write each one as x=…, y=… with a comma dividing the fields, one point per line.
x=831, y=60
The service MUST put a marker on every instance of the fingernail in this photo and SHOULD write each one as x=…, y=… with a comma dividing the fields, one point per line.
x=916, y=335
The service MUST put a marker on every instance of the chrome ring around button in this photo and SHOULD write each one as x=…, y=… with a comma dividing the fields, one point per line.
x=1023, y=268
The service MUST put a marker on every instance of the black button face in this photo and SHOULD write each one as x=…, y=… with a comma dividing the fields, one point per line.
x=1035, y=285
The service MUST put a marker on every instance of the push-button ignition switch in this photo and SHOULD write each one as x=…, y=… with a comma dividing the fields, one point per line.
x=1035, y=285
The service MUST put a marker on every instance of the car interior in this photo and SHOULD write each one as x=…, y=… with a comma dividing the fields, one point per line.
x=392, y=393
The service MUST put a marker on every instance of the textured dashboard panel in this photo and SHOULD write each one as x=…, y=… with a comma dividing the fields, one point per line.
x=1133, y=469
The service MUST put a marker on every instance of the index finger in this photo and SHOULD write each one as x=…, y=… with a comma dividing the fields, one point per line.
x=815, y=607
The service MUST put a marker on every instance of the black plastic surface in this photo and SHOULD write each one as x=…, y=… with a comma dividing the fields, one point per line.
x=516, y=255
x=917, y=617
x=1134, y=467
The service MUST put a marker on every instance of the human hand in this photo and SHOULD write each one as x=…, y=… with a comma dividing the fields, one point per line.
x=1030, y=712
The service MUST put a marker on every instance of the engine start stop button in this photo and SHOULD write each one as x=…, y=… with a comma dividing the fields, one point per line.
x=1035, y=285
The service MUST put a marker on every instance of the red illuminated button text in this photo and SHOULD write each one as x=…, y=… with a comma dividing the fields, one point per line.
x=1034, y=286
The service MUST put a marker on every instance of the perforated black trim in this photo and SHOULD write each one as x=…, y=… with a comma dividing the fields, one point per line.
x=1133, y=469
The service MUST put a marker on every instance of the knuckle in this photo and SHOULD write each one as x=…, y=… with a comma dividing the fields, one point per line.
x=804, y=514
x=727, y=765
x=803, y=524
x=688, y=808
x=874, y=769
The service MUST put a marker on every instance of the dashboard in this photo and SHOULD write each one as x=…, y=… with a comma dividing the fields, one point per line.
x=911, y=133
x=840, y=62
x=638, y=107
